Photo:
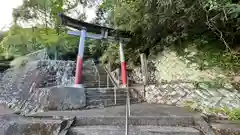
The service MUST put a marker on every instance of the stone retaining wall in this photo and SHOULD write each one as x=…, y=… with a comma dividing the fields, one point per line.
x=182, y=94
x=174, y=80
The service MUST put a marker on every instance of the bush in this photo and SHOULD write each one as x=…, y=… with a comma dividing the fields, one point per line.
x=234, y=114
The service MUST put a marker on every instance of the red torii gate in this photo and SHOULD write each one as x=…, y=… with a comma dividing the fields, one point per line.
x=100, y=33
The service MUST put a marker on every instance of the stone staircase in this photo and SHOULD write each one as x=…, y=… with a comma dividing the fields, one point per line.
x=103, y=94
x=102, y=122
x=98, y=74
x=145, y=119
x=111, y=121
x=48, y=80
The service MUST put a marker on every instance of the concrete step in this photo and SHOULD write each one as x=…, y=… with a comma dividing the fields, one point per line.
x=184, y=121
x=133, y=130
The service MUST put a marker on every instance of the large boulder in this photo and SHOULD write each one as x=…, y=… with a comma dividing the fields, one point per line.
x=11, y=124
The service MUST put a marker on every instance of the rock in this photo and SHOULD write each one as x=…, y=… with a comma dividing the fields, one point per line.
x=225, y=128
x=236, y=79
x=65, y=98
x=202, y=125
x=11, y=124
x=228, y=86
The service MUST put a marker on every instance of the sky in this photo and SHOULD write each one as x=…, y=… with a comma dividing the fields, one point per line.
x=6, y=12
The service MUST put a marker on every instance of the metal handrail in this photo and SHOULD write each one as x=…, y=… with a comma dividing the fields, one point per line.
x=99, y=78
x=114, y=84
x=111, y=77
x=128, y=111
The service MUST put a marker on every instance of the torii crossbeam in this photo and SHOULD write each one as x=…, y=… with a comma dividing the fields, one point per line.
x=87, y=30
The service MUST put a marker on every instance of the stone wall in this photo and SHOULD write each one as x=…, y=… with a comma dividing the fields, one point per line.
x=177, y=81
x=19, y=86
x=186, y=94
x=28, y=88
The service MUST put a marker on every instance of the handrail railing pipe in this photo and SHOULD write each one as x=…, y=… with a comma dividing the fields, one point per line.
x=126, y=120
x=107, y=81
x=128, y=98
x=98, y=74
x=114, y=83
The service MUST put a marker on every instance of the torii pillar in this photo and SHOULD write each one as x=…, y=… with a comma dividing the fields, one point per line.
x=79, y=65
x=123, y=65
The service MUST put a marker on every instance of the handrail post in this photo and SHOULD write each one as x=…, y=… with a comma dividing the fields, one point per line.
x=126, y=119
x=107, y=81
x=128, y=98
x=115, y=95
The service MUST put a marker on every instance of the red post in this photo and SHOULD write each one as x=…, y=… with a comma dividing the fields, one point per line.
x=79, y=65
x=123, y=65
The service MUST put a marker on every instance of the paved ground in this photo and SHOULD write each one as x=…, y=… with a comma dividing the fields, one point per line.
x=5, y=110
x=136, y=110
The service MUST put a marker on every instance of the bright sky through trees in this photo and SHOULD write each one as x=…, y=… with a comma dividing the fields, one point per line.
x=6, y=12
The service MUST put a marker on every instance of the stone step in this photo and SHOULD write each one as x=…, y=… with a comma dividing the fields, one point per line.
x=96, y=86
x=94, y=79
x=105, y=103
x=95, y=82
x=184, y=121
x=133, y=130
x=96, y=96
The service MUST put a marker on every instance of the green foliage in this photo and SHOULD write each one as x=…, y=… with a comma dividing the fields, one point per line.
x=155, y=23
x=46, y=32
x=158, y=23
x=208, y=54
x=20, y=41
x=111, y=54
x=234, y=114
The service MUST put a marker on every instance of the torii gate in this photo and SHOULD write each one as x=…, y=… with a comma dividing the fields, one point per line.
x=86, y=30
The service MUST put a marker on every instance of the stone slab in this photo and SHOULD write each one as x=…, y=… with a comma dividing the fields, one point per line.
x=11, y=124
x=142, y=109
x=65, y=98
